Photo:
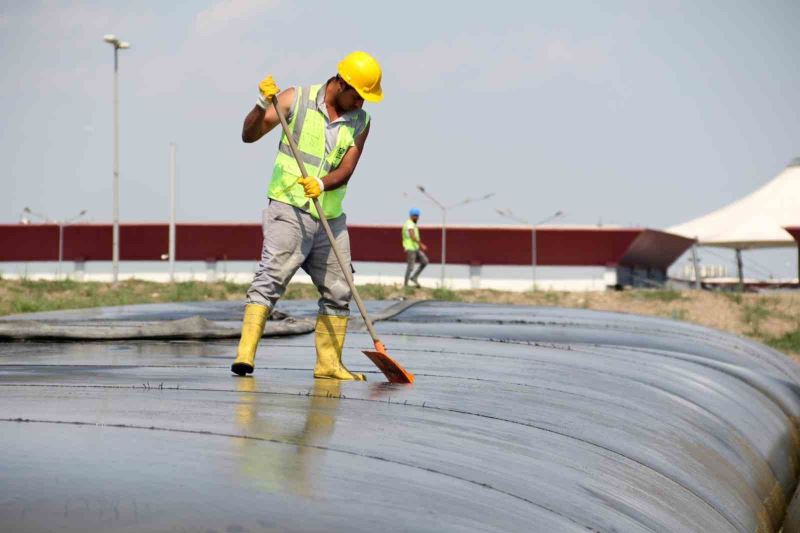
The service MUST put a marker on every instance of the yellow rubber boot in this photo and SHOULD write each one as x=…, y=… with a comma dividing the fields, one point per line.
x=255, y=316
x=330, y=333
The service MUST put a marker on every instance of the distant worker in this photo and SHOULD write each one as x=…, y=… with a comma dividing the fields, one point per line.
x=330, y=128
x=415, y=249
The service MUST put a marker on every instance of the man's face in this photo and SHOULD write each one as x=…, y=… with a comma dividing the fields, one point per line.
x=348, y=98
x=415, y=218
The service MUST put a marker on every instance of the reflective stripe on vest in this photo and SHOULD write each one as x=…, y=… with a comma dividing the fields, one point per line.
x=322, y=146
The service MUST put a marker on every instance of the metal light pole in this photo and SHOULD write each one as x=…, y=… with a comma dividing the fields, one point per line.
x=61, y=226
x=508, y=214
x=117, y=44
x=533, y=239
x=172, y=201
x=444, y=231
x=444, y=220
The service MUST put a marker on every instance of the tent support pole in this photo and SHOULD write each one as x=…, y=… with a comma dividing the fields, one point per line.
x=695, y=266
x=739, y=269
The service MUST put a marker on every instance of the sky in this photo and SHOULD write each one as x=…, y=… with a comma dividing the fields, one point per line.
x=622, y=112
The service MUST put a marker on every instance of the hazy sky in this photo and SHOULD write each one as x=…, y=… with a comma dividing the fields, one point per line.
x=641, y=113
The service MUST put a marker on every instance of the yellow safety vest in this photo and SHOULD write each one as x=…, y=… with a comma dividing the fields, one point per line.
x=410, y=228
x=322, y=145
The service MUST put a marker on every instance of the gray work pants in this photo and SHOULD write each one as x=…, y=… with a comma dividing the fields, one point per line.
x=412, y=257
x=294, y=239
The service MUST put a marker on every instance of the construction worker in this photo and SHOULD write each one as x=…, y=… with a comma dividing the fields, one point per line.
x=330, y=129
x=415, y=249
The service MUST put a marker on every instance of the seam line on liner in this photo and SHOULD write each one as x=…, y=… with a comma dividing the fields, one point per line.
x=442, y=409
x=295, y=444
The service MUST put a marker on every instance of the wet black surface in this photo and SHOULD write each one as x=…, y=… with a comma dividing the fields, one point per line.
x=521, y=419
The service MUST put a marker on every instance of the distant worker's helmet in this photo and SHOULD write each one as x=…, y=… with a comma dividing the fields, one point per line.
x=362, y=72
x=413, y=212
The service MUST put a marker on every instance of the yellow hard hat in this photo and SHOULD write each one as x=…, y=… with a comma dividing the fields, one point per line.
x=363, y=73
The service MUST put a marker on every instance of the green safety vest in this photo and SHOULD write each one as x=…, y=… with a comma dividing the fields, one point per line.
x=408, y=243
x=322, y=145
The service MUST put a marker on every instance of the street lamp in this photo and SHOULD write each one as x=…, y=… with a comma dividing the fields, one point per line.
x=444, y=220
x=27, y=211
x=118, y=45
x=173, y=149
x=61, y=226
x=508, y=214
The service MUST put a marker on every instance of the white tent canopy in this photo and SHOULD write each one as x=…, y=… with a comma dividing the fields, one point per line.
x=755, y=221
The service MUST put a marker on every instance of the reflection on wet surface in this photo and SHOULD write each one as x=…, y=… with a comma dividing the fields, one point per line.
x=521, y=419
x=286, y=468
